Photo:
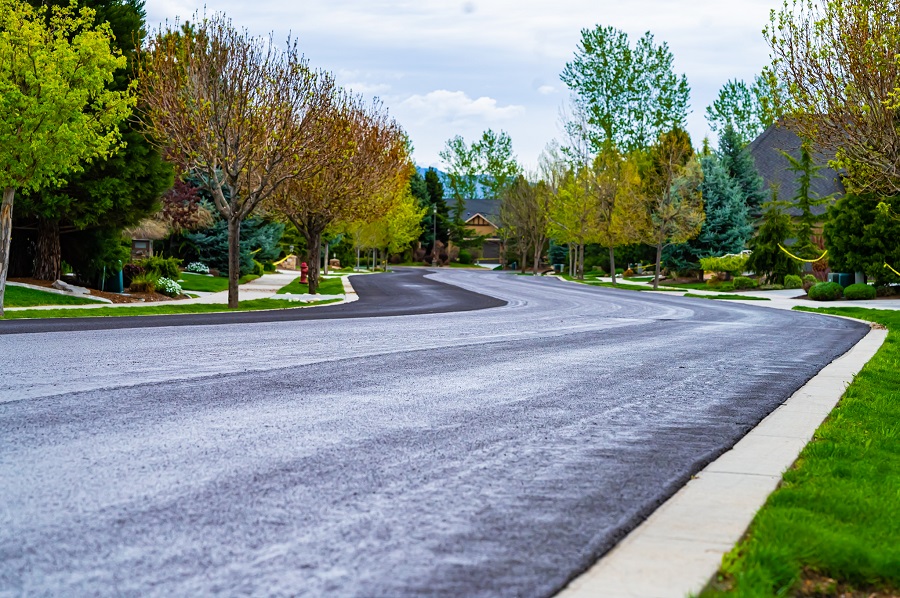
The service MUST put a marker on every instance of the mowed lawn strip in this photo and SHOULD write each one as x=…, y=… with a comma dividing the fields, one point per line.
x=327, y=286
x=212, y=284
x=162, y=309
x=17, y=296
x=833, y=526
x=732, y=297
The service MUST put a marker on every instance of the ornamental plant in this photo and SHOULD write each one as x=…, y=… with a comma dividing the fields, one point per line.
x=197, y=268
x=826, y=291
x=859, y=291
x=792, y=281
x=168, y=287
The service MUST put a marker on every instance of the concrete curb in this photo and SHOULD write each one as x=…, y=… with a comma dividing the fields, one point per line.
x=679, y=548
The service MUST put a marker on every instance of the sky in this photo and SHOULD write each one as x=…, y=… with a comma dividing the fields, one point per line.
x=446, y=68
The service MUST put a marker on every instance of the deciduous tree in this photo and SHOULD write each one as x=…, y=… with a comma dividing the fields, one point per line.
x=235, y=108
x=58, y=110
x=525, y=209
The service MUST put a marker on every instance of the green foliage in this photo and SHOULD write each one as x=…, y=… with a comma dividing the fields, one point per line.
x=747, y=109
x=767, y=259
x=737, y=161
x=259, y=240
x=143, y=283
x=465, y=257
x=742, y=283
x=859, y=291
x=161, y=267
x=93, y=252
x=805, y=200
x=726, y=227
x=826, y=291
x=862, y=238
x=258, y=268
x=792, y=281
x=733, y=264
x=630, y=94
x=168, y=287
x=327, y=286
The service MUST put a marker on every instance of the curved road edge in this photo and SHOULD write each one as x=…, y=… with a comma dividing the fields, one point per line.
x=678, y=549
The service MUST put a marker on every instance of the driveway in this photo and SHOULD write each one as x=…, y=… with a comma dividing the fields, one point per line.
x=494, y=452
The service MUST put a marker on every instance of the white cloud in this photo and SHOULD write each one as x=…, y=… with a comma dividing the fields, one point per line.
x=457, y=106
x=369, y=88
x=546, y=89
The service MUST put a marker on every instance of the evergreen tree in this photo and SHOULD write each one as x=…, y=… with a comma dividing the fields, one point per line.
x=259, y=242
x=726, y=228
x=862, y=238
x=431, y=195
x=738, y=162
x=767, y=259
x=805, y=199
x=109, y=194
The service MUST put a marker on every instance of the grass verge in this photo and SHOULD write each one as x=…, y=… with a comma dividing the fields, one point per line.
x=831, y=528
x=327, y=286
x=732, y=297
x=212, y=284
x=17, y=296
x=159, y=310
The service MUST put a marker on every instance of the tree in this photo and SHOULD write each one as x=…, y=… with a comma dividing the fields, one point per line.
x=747, y=109
x=860, y=237
x=436, y=199
x=108, y=194
x=672, y=187
x=767, y=259
x=368, y=166
x=808, y=224
x=525, y=209
x=726, y=227
x=738, y=163
x=462, y=181
x=393, y=232
x=55, y=68
x=495, y=163
x=630, y=94
x=236, y=109
x=839, y=61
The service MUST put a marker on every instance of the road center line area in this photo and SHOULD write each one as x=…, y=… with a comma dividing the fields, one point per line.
x=497, y=451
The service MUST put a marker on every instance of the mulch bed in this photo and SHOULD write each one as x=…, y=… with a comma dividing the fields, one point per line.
x=114, y=297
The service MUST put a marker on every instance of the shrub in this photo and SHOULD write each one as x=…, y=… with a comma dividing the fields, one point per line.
x=826, y=291
x=884, y=291
x=726, y=263
x=258, y=268
x=129, y=272
x=792, y=281
x=143, y=283
x=809, y=281
x=859, y=291
x=465, y=257
x=269, y=267
x=742, y=283
x=197, y=268
x=162, y=267
x=169, y=287
x=771, y=287
x=599, y=270
x=628, y=273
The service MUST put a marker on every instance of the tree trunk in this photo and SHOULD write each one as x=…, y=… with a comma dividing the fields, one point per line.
x=314, y=243
x=612, y=264
x=579, y=253
x=6, y=211
x=658, y=262
x=47, y=253
x=537, y=257
x=325, y=266
x=234, y=260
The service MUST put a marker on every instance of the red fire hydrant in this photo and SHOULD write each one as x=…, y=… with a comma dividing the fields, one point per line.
x=304, y=270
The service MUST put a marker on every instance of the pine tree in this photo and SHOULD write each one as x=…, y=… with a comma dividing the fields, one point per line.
x=767, y=259
x=726, y=228
x=434, y=196
x=738, y=162
x=805, y=199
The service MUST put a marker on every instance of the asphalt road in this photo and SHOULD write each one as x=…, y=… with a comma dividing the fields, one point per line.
x=495, y=452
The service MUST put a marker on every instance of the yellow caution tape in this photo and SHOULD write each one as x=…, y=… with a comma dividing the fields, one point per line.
x=800, y=259
x=284, y=259
x=891, y=269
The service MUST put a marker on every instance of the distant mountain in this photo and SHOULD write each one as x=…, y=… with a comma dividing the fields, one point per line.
x=479, y=189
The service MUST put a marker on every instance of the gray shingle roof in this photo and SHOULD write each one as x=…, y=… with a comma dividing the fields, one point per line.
x=775, y=167
x=489, y=208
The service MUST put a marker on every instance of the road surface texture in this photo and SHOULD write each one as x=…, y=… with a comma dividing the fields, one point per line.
x=495, y=452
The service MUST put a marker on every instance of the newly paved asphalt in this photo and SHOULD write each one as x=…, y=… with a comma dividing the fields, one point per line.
x=495, y=452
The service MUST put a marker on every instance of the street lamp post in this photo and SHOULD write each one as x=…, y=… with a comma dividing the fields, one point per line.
x=434, y=237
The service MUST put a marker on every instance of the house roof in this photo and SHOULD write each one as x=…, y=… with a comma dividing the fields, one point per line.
x=775, y=169
x=489, y=208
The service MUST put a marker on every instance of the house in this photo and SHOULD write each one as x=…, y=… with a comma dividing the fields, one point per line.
x=483, y=217
x=775, y=168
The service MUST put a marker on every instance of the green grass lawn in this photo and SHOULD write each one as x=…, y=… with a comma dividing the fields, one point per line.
x=833, y=526
x=698, y=286
x=327, y=286
x=165, y=308
x=733, y=297
x=17, y=296
x=213, y=284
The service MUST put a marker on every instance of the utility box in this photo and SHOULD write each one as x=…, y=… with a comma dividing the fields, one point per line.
x=844, y=279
